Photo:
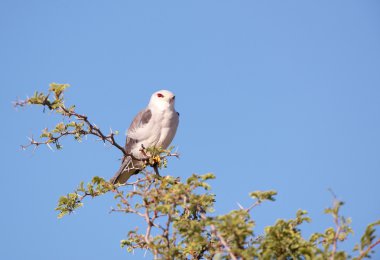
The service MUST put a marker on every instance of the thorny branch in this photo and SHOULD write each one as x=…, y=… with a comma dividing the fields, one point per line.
x=369, y=249
x=92, y=129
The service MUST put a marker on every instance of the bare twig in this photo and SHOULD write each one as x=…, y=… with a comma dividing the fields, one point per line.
x=94, y=130
x=337, y=232
x=369, y=249
x=257, y=203
x=337, y=225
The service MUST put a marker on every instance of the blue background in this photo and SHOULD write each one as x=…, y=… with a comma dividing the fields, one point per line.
x=277, y=95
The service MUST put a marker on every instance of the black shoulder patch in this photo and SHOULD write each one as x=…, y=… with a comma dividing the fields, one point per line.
x=177, y=113
x=146, y=116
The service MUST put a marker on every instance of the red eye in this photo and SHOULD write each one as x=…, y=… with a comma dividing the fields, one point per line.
x=160, y=95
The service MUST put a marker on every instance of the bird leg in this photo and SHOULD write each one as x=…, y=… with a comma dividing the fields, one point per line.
x=145, y=159
x=142, y=150
x=154, y=161
x=155, y=167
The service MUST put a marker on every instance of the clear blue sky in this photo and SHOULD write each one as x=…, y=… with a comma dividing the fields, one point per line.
x=278, y=95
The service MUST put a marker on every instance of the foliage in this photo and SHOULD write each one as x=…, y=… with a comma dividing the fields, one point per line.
x=178, y=215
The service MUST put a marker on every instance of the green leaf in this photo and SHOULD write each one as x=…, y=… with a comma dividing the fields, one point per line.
x=58, y=89
x=264, y=195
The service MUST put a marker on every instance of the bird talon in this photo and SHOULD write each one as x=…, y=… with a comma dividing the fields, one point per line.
x=156, y=170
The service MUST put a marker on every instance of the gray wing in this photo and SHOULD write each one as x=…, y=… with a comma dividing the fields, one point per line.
x=127, y=169
x=141, y=119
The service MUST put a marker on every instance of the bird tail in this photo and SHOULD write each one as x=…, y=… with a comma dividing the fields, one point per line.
x=125, y=171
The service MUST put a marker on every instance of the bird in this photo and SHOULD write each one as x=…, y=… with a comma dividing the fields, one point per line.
x=154, y=126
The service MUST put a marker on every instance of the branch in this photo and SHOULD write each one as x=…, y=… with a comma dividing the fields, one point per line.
x=221, y=238
x=260, y=197
x=365, y=253
x=94, y=130
x=336, y=236
x=335, y=213
x=56, y=104
x=257, y=203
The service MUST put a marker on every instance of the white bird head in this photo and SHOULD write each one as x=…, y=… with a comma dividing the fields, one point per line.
x=163, y=99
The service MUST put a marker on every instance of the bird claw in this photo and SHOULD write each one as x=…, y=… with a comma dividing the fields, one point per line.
x=142, y=150
x=155, y=167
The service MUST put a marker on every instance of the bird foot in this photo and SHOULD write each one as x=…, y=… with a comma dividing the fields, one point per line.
x=155, y=167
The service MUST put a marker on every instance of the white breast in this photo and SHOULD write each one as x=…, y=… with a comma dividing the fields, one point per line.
x=159, y=131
